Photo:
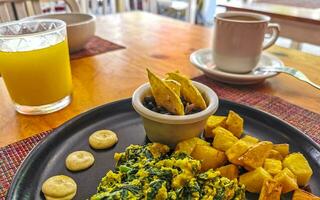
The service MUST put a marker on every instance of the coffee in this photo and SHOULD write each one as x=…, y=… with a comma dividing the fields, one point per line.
x=242, y=18
x=239, y=39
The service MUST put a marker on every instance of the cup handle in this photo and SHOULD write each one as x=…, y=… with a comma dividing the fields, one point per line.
x=275, y=34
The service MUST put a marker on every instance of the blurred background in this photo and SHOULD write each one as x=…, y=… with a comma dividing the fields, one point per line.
x=299, y=19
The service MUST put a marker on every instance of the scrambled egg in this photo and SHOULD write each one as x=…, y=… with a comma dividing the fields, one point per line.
x=152, y=172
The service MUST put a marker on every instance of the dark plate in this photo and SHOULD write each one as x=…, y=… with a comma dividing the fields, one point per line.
x=47, y=158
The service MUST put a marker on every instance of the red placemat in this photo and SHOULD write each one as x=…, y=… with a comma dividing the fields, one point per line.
x=96, y=45
x=12, y=155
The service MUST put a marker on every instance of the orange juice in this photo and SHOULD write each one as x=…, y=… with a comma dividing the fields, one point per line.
x=37, y=77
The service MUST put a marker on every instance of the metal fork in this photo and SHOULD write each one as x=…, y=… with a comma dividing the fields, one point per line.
x=291, y=71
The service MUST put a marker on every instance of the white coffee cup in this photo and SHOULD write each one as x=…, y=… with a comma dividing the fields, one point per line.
x=239, y=38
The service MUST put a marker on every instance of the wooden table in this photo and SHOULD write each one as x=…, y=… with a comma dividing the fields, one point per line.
x=299, y=24
x=162, y=45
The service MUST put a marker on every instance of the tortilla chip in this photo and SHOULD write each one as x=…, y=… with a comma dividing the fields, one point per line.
x=164, y=96
x=188, y=90
x=174, y=86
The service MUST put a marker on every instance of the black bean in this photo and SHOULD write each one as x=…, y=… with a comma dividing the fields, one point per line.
x=148, y=98
x=194, y=110
x=149, y=102
x=161, y=108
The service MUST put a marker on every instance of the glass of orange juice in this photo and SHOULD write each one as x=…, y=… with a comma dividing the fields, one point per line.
x=35, y=65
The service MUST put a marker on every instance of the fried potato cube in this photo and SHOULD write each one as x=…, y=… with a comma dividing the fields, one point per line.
x=304, y=195
x=230, y=171
x=272, y=166
x=188, y=145
x=271, y=190
x=283, y=149
x=236, y=151
x=223, y=139
x=299, y=165
x=275, y=155
x=254, y=180
x=287, y=179
x=249, y=139
x=256, y=155
x=212, y=123
x=211, y=158
x=234, y=124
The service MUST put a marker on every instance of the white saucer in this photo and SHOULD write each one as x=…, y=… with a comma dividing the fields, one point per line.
x=203, y=60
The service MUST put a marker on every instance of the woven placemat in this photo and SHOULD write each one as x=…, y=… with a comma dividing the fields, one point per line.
x=12, y=155
x=96, y=45
x=305, y=120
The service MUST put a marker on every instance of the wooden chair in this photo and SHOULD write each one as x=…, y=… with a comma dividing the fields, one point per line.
x=125, y=5
x=146, y=5
x=108, y=6
x=130, y=5
x=25, y=8
x=190, y=7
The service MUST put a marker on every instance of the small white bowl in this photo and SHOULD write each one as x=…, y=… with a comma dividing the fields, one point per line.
x=171, y=129
x=80, y=27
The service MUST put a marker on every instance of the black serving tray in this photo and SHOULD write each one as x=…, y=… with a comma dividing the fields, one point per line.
x=47, y=158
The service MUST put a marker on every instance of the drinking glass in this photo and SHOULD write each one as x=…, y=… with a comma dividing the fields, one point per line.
x=35, y=65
